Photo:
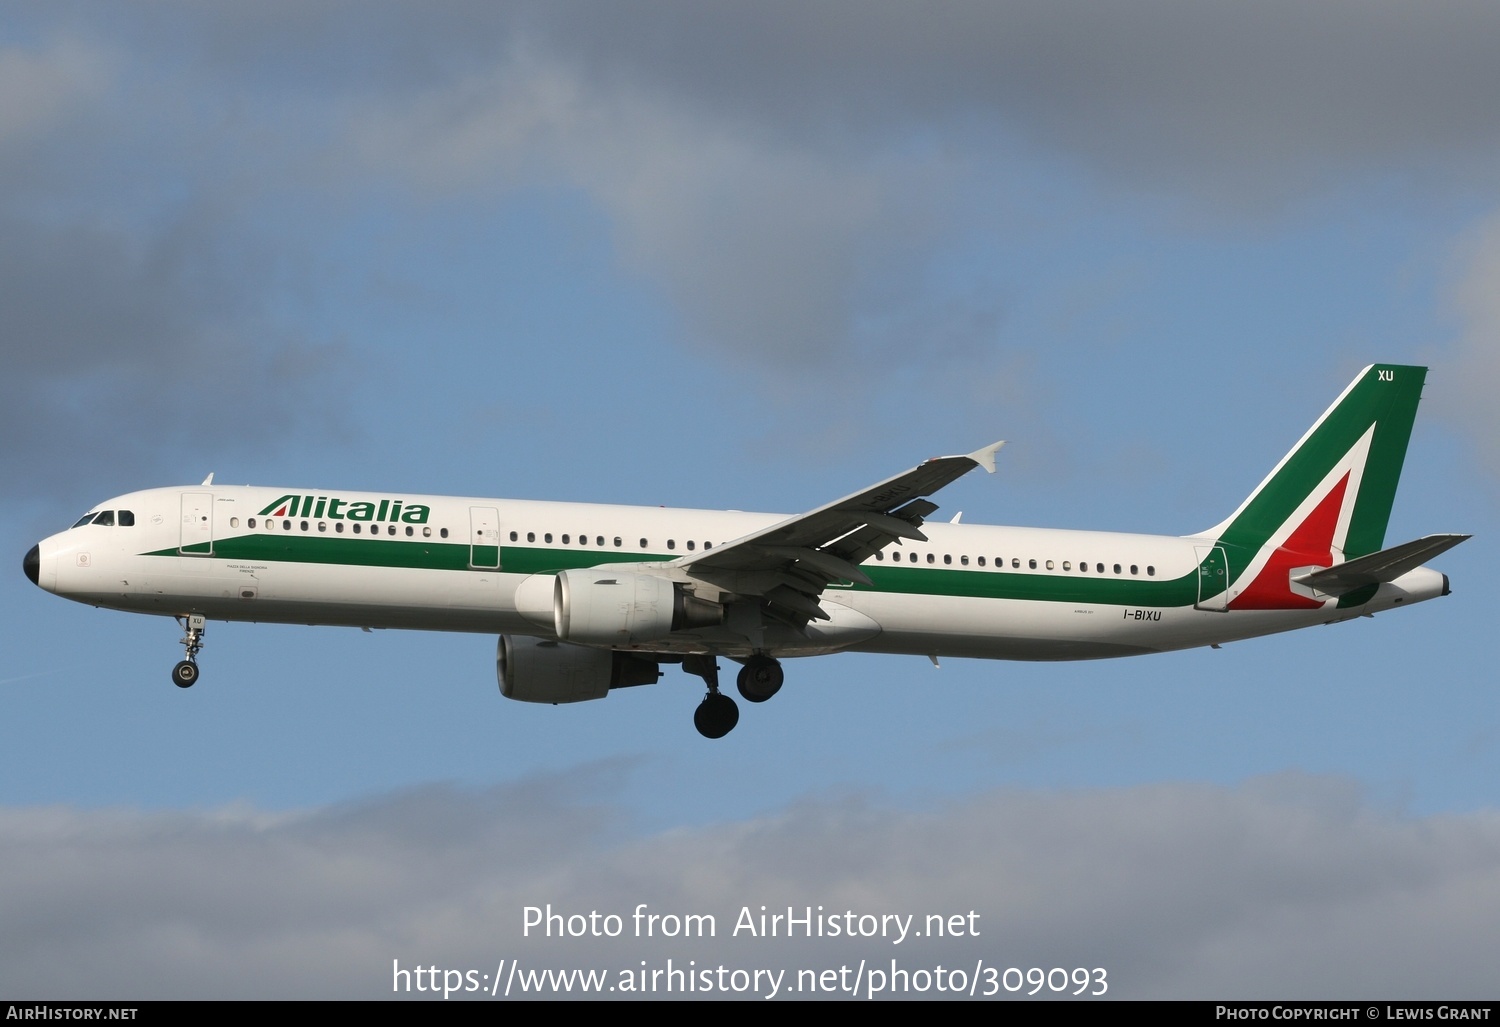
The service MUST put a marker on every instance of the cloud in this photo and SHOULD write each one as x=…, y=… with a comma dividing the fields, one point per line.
x=795, y=179
x=769, y=252
x=1469, y=365
x=1283, y=887
x=1224, y=101
x=137, y=306
x=42, y=89
x=1167, y=91
x=790, y=174
x=120, y=353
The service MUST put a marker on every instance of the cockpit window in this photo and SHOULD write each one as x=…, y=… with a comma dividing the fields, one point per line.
x=107, y=518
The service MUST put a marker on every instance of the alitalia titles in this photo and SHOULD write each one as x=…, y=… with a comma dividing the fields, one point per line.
x=336, y=509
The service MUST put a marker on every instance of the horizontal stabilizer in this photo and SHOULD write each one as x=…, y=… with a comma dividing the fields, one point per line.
x=1386, y=565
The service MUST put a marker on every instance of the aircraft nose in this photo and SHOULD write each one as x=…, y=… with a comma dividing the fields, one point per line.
x=32, y=564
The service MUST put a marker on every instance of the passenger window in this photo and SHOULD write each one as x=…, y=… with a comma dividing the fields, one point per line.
x=964, y=560
x=513, y=536
x=1117, y=568
x=931, y=558
x=322, y=525
x=599, y=540
x=443, y=532
x=1015, y=562
x=583, y=540
x=1150, y=571
x=948, y=559
x=234, y=522
x=391, y=530
x=427, y=533
x=338, y=527
x=547, y=537
x=671, y=543
x=981, y=561
x=304, y=525
x=1031, y=564
x=410, y=531
x=1134, y=569
x=286, y=525
x=566, y=539
x=691, y=544
x=618, y=543
x=913, y=557
x=880, y=557
x=127, y=519
x=1099, y=568
x=251, y=522
x=530, y=536
x=643, y=543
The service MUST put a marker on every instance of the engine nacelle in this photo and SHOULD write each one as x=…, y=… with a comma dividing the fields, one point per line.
x=619, y=607
x=537, y=670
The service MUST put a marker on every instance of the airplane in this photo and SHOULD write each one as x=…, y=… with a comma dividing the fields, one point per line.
x=589, y=598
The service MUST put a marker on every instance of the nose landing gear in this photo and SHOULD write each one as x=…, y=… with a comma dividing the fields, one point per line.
x=185, y=674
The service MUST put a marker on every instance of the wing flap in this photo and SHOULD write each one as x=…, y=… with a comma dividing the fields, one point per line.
x=790, y=563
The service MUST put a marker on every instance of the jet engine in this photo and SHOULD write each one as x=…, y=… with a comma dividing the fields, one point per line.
x=614, y=607
x=538, y=670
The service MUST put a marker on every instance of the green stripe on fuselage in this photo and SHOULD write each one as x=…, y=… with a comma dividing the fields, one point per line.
x=351, y=552
x=424, y=554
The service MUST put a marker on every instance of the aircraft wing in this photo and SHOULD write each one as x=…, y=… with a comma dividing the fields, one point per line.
x=1386, y=565
x=790, y=563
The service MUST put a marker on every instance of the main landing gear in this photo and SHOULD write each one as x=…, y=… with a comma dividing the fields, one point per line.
x=717, y=714
x=185, y=674
x=760, y=678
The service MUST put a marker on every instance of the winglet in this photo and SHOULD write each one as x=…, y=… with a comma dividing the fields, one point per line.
x=986, y=457
x=210, y=479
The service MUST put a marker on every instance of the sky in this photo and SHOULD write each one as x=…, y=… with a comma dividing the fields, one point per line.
x=749, y=256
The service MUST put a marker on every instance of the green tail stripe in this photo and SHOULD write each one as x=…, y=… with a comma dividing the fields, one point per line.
x=1385, y=395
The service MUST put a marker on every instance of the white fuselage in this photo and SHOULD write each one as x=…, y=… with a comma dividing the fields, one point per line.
x=459, y=564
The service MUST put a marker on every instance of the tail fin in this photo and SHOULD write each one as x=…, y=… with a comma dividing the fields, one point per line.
x=1329, y=499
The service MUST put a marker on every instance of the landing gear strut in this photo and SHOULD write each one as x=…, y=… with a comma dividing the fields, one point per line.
x=760, y=678
x=185, y=674
x=717, y=714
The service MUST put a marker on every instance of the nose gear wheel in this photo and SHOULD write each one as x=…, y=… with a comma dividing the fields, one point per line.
x=185, y=674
